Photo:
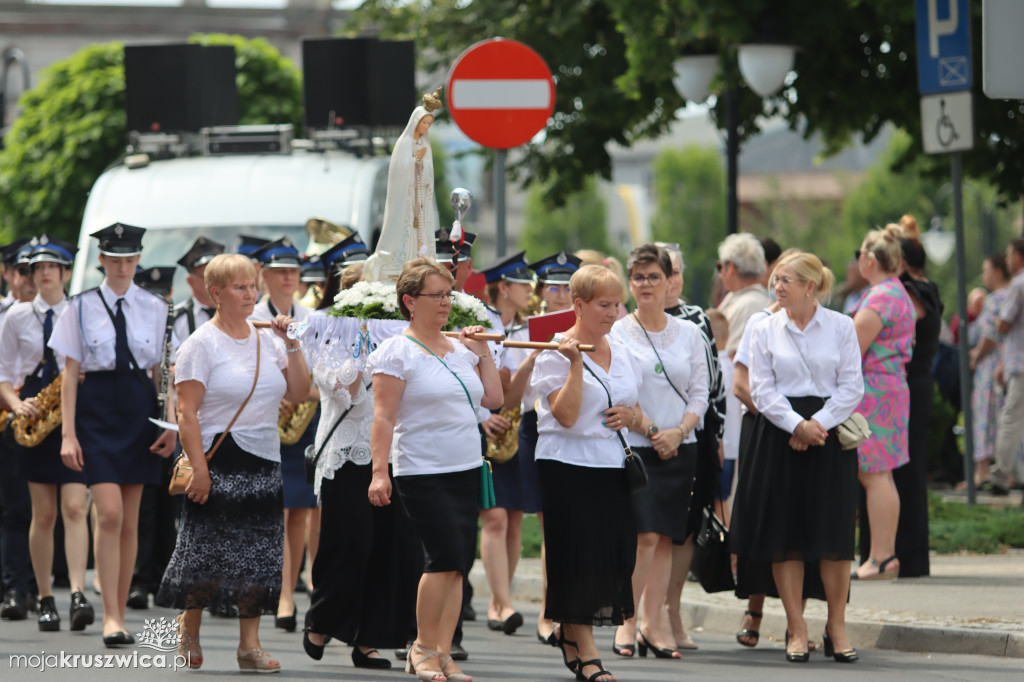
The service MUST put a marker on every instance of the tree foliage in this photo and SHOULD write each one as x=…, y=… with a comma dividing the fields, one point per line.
x=613, y=63
x=72, y=127
x=579, y=224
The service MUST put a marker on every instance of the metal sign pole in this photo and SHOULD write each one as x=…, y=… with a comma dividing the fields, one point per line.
x=499, y=199
x=956, y=163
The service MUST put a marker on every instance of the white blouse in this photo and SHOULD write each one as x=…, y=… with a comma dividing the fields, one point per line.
x=350, y=441
x=681, y=348
x=514, y=357
x=226, y=366
x=588, y=442
x=821, y=360
x=85, y=333
x=436, y=427
x=21, y=339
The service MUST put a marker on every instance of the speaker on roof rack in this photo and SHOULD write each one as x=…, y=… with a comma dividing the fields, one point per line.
x=179, y=87
x=364, y=81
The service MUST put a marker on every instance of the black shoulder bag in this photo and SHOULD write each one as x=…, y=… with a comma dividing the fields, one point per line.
x=633, y=469
x=310, y=458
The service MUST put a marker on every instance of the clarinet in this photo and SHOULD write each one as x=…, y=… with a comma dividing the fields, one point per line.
x=165, y=365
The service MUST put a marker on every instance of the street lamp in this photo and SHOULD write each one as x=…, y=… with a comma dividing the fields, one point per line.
x=763, y=67
x=938, y=243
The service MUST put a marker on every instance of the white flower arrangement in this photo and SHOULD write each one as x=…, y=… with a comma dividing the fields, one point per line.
x=379, y=301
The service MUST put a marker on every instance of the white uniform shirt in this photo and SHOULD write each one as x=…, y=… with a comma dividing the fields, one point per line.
x=514, y=357
x=588, y=442
x=225, y=366
x=681, y=348
x=821, y=360
x=181, y=328
x=436, y=427
x=21, y=339
x=85, y=332
x=733, y=407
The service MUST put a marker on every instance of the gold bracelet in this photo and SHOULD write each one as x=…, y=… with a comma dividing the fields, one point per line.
x=484, y=355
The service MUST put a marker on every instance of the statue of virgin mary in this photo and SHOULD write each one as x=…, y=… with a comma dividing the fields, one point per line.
x=410, y=211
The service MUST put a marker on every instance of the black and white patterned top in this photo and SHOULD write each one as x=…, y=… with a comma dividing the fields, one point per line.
x=716, y=392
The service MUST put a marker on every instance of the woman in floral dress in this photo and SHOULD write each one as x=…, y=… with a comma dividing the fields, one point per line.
x=884, y=318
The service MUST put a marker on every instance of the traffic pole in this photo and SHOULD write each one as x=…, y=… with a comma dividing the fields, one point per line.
x=956, y=163
x=499, y=200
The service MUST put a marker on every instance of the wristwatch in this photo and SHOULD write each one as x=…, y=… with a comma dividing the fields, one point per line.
x=652, y=429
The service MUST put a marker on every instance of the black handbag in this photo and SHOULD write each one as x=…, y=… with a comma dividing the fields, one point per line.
x=712, y=563
x=634, y=469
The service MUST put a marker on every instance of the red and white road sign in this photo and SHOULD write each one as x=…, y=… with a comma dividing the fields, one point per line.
x=500, y=93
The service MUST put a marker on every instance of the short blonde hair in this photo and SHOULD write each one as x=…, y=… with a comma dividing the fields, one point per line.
x=226, y=268
x=414, y=274
x=590, y=280
x=809, y=268
x=884, y=245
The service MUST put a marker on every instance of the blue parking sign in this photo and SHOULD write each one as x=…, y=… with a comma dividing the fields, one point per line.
x=943, y=46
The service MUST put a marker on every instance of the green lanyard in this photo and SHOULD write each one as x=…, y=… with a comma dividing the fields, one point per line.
x=446, y=367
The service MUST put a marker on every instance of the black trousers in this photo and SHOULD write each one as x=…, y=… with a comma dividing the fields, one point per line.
x=364, y=580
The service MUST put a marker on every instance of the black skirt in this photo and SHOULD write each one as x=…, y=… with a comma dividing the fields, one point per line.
x=662, y=507
x=230, y=550
x=42, y=463
x=365, y=590
x=795, y=506
x=590, y=541
x=443, y=509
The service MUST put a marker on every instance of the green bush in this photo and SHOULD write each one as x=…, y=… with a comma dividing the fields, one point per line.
x=955, y=527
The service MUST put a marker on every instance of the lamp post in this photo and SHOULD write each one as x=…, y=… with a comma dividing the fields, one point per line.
x=763, y=68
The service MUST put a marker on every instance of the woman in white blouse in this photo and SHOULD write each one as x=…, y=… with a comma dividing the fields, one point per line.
x=426, y=391
x=589, y=530
x=805, y=380
x=674, y=394
x=230, y=539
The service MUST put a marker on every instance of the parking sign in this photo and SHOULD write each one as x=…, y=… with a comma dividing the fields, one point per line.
x=943, y=46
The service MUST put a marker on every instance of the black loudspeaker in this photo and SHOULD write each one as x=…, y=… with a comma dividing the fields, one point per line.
x=179, y=88
x=364, y=81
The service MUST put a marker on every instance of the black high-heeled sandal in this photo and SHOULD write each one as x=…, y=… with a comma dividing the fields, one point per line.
x=750, y=632
x=643, y=644
x=572, y=665
x=601, y=672
x=624, y=650
x=848, y=656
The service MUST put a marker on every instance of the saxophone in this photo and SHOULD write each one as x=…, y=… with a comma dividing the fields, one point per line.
x=31, y=431
x=293, y=419
x=507, y=445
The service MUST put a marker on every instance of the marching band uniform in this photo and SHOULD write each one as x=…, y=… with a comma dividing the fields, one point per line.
x=192, y=312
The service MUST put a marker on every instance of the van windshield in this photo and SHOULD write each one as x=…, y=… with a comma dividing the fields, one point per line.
x=164, y=246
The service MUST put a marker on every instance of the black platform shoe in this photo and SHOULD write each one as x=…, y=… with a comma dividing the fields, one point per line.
x=81, y=612
x=49, y=619
x=13, y=607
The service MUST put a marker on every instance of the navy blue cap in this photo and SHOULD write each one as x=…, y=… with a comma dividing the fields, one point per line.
x=249, y=245
x=10, y=251
x=511, y=269
x=156, y=279
x=120, y=239
x=278, y=254
x=446, y=249
x=49, y=249
x=203, y=250
x=351, y=249
x=557, y=268
x=312, y=270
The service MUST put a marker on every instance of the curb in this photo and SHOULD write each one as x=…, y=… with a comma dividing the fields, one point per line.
x=867, y=634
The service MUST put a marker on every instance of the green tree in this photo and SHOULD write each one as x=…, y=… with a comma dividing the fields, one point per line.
x=613, y=62
x=72, y=127
x=689, y=196
x=581, y=223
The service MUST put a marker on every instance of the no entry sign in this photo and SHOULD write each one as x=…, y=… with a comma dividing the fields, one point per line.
x=500, y=93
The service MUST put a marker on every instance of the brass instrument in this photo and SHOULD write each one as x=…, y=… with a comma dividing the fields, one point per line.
x=4, y=416
x=31, y=431
x=505, y=447
x=323, y=234
x=293, y=419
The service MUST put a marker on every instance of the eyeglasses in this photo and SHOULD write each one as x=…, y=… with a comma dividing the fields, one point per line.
x=555, y=288
x=653, y=279
x=786, y=281
x=439, y=296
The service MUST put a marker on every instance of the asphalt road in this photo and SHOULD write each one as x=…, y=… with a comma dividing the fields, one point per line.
x=493, y=656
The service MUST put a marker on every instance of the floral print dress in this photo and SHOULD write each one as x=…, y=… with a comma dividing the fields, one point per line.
x=886, y=402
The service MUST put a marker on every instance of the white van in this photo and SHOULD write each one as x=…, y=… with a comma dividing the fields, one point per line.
x=221, y=196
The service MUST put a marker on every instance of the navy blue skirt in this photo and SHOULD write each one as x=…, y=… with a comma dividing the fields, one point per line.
x=297, y=493
x=113, y=428
x=42, y=464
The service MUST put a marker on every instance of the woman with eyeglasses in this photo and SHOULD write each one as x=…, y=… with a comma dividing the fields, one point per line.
x=587, y=398
x=426, y=390
x=805, y=380
x=674, y=395
x=884, y=318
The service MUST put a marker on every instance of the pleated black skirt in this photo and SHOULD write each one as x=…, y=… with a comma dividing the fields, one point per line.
x=590, y=540
x=663, y=506
x=443, y=510
x=230, y=550
x=795, y=506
